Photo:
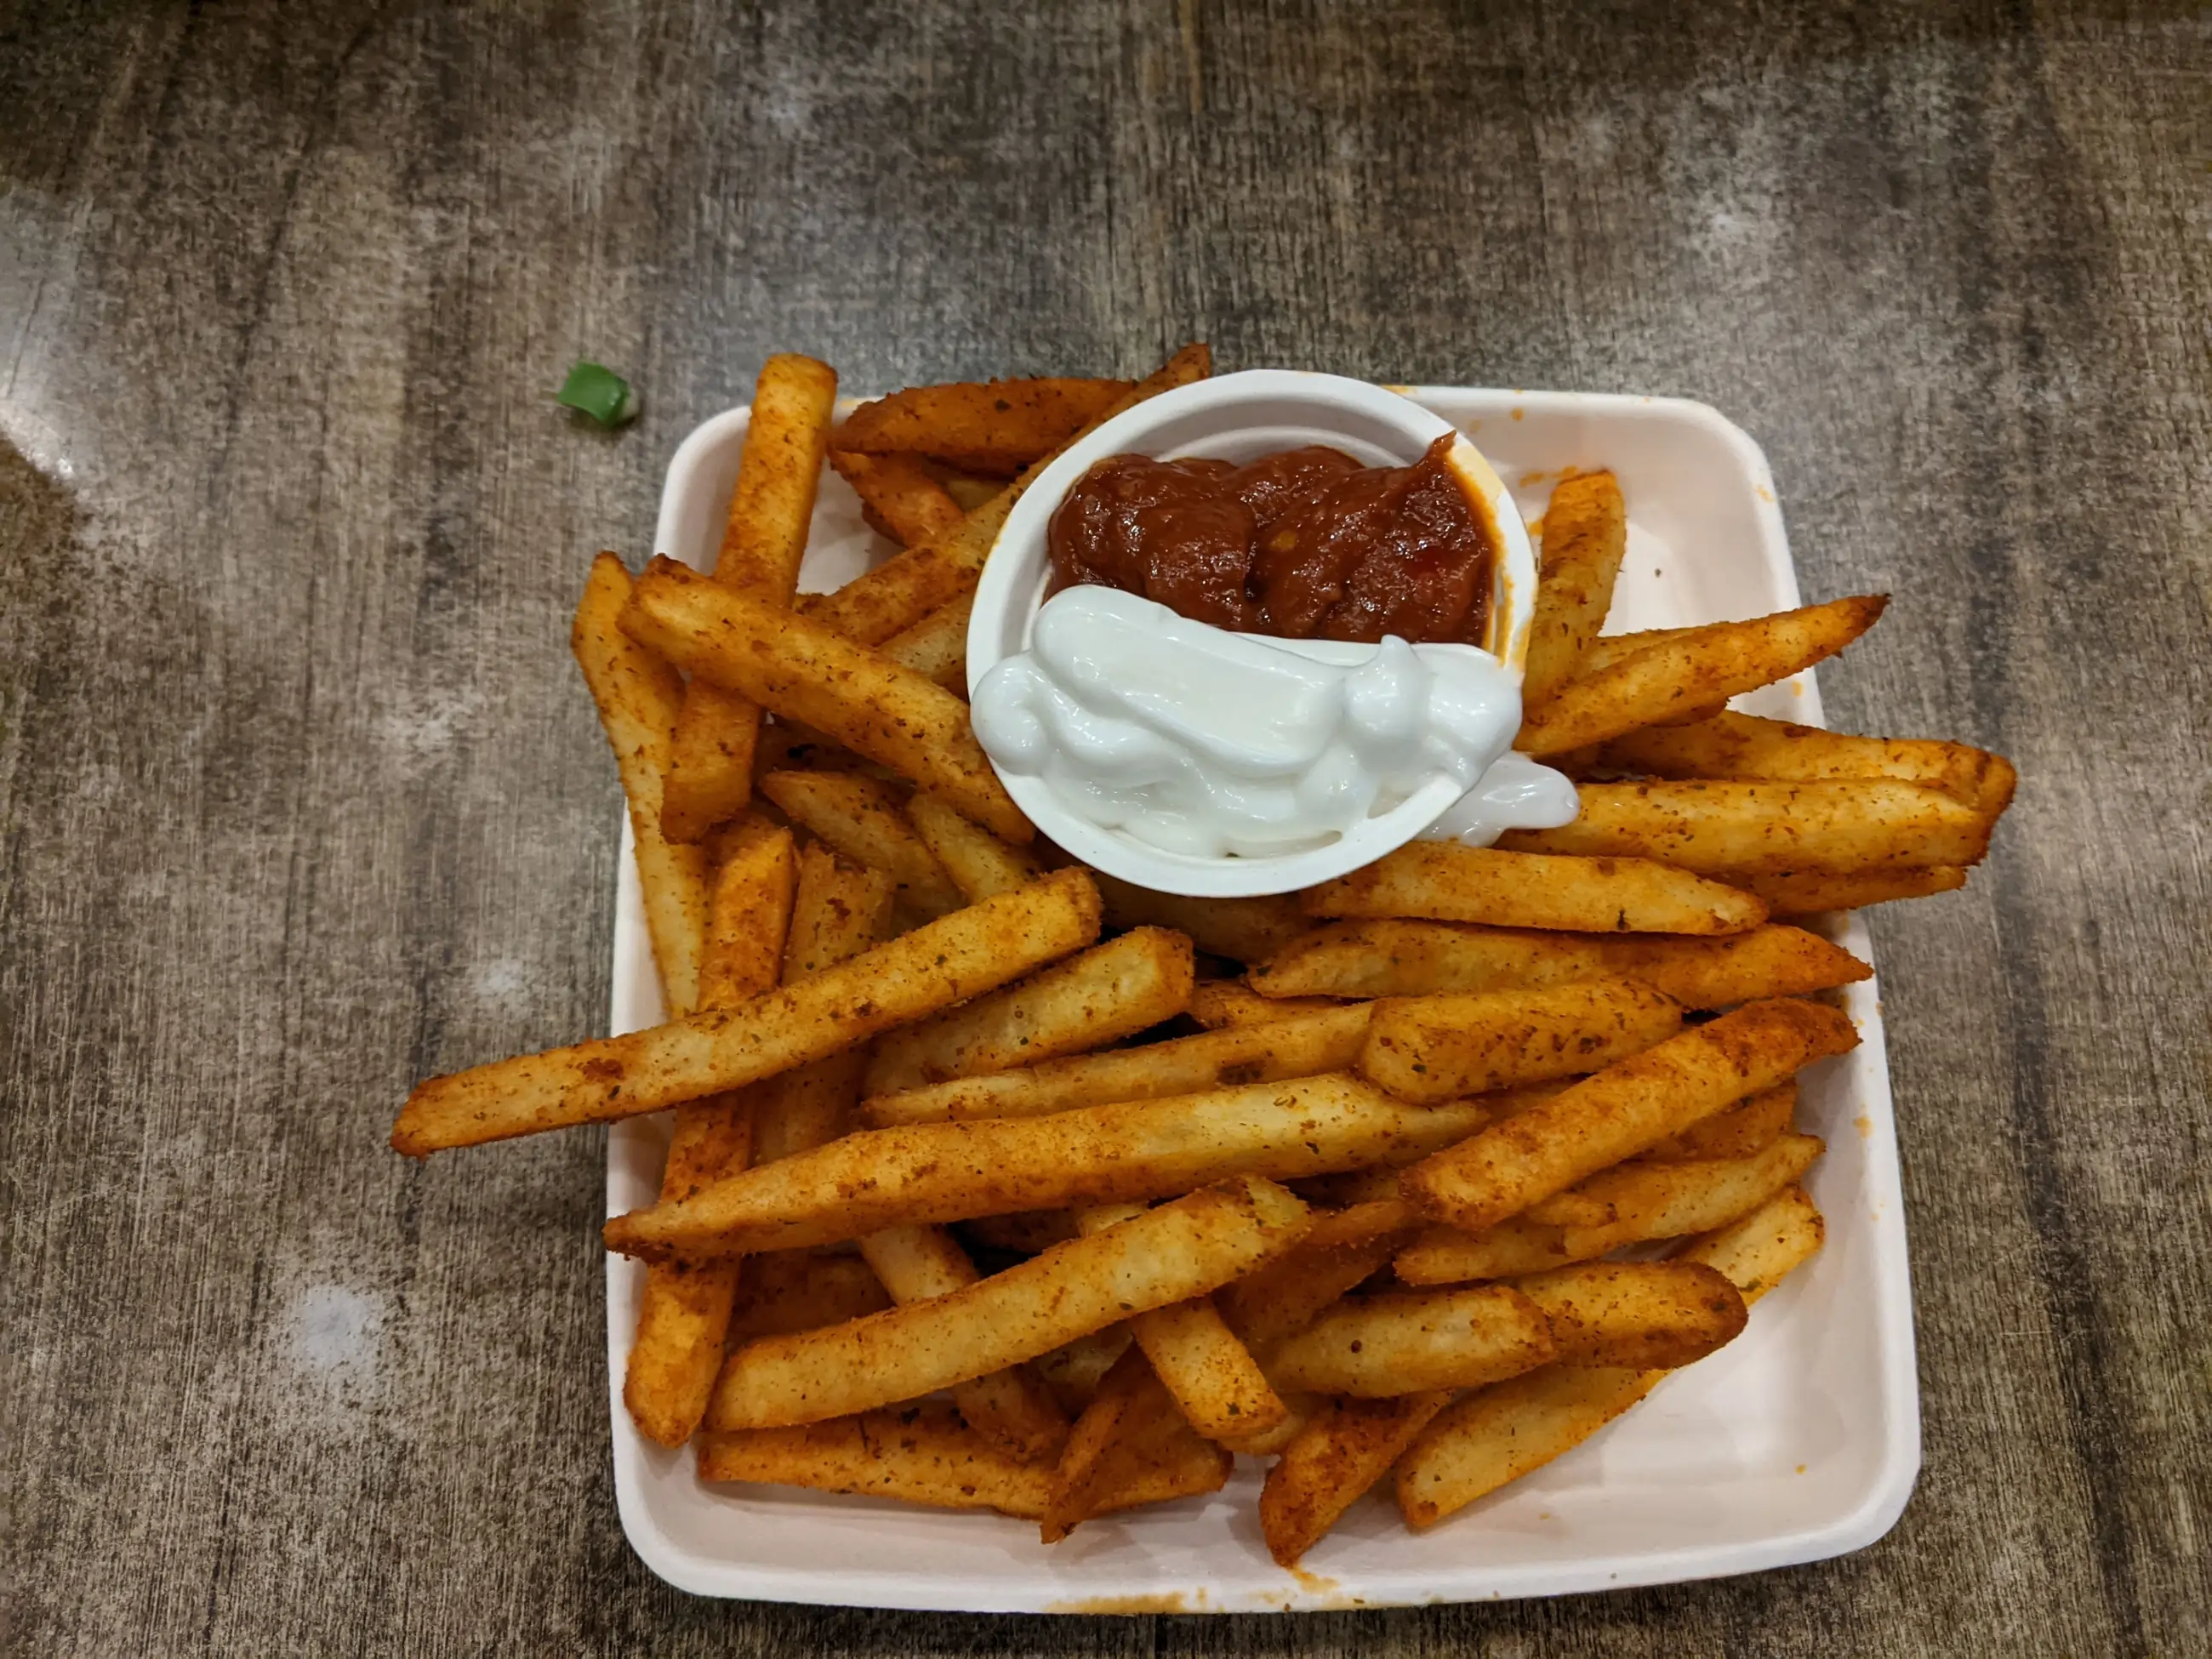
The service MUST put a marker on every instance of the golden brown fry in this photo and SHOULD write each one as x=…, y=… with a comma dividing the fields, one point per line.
x=638, y=697
x=1750, y=1126
x=1585, y=534
x=1000, y=427
x=899, y=497
x=964, y=955
x=980, y=864
x=1182, y=1250
x=936, y=647
x=1338, y=1252
x=1608, y=649
x=1812, y=893
x=1694, y=673
x=1112, y=991
x=1241, y=929
x=1443, y=881
x=1731, y=745
x=1096, y=1155
x=711, y=767
x=1303, y=1045
x=1730, y=831
x=1762, y=1250
x=918, y=1453
x=1656, y=1314
x=1374, y=1346
x=1432, y=1048
x=1422, y=958
x=803, y=672
x=786, y=1291
x=862, y=819
x=1131, y=1425
x=1228, y=1005
x=1341, y=1452
x=1623, y=1110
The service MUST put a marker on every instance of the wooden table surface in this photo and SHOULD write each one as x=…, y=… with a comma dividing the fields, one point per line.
x=303, y=799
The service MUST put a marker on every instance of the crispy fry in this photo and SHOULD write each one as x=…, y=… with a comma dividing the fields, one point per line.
x=1760, y=1251
x=899, y=498
x=1112, y=991
x=1731, y=745
x=1422, y=958
x=1331, y=1462
x=1732, y=830
x=1623, y=1110
x=1130, y=1436
x=936, y=647
x=980, y=864
x=1656, y=1314
x=638, y=697
x=1184, y=1248
x=1432, y=1048
x=1608, y=649
x=1241, y=929
x=1338, y=1252
x=1443, y=881
x=1694, y=672
x=803, y=672
x=861, y=818
x=786, y=1291
x=1811, y=893
x=711, y=766
x=918, y=1453
x=965, y=954
x=1749, y=1125
x=1585, y=534
x=1375, y=1347
x=1096, y=1155
x=1000, y=427
x=1228, y=1005
x=1303, y=1045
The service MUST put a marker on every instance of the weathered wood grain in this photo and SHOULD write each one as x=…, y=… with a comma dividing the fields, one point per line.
x=299, y=798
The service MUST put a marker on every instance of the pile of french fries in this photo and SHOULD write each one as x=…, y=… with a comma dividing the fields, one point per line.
x=996, y=1183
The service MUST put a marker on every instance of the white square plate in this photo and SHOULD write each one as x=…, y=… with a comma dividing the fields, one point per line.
x=1799, y=1441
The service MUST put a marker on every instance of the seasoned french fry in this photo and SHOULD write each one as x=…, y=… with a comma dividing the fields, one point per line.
x=711, y=766
x=1812, y=893
x=1012, y=1408
x=1739, y=746
x=1000, y=427
x=1625, y=1109
x=1338, y=1252
x=964, y=955
x=904, y=589
x=1733, y=831
x=899, y=498
x=684, y=1316
x=1693, y=672
x=936, y=647
x=1096, y=1155
x=1444, y=881
x=1585, y=534
x=1074, y=1371
x=1423, y=958
x=981, y=864
x=1228, y=1005
x=786, y=1291
x=1432, y=1048
x=1639, y=1202
x=1324, y=1469
x=638, y=697
x=1130, y=1436
x=1303, y=1045
x=919, y=1453
x=803, y=672
x=1112, y=991
x=1375, y=1347
x=1182, y=1250
x=1602, y=653
x=1762, y=1250
x=1749, y=1125
x=861, y=818
x=1241, y=929
x=1656, y=1314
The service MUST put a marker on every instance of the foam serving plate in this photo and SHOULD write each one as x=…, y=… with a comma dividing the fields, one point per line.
x=1799, y=1441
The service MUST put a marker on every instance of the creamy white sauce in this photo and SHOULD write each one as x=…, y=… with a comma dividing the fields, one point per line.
x=1194, y=740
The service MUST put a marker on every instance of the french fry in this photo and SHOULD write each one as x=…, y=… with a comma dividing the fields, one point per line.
x=1585, y=534
x=899, y=498
x=1626, y=1109
x=1750, y=1126
x=861, y=818
x=1443, y=881
x=978, y=864
x=1733, y=831
x=1812, y=893
x=1095, y=1155
x=638, y=697
x=1602, y=653
x=1653, y=1315
x=1693, y=672
x=1433, y=1049
x=1074, y=1371
x=1376, y=1346
x=1228, y=1005
x=1109, y=991
x=1012, y=1408
x=1303, y=1045
x=684, y=1314
x=1424, y=959
x=1639, y=1202
x=1241, y=929
x=936, y=647
x=1182, y=1250
x=1760, y=1251
x=963, y=956
x=710, y=771
x=1131, y=1429
x=906, y=587
x=786, y=1291
x=803, y=672
x=1338, y=1252
x=1346, y=1447
x=1745, y=746
x=1000, y=427
x=919, y=1453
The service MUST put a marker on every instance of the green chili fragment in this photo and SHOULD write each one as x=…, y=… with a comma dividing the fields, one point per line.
x=598, y=393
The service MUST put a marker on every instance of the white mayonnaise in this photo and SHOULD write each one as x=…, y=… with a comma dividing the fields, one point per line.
x=1197, y=741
